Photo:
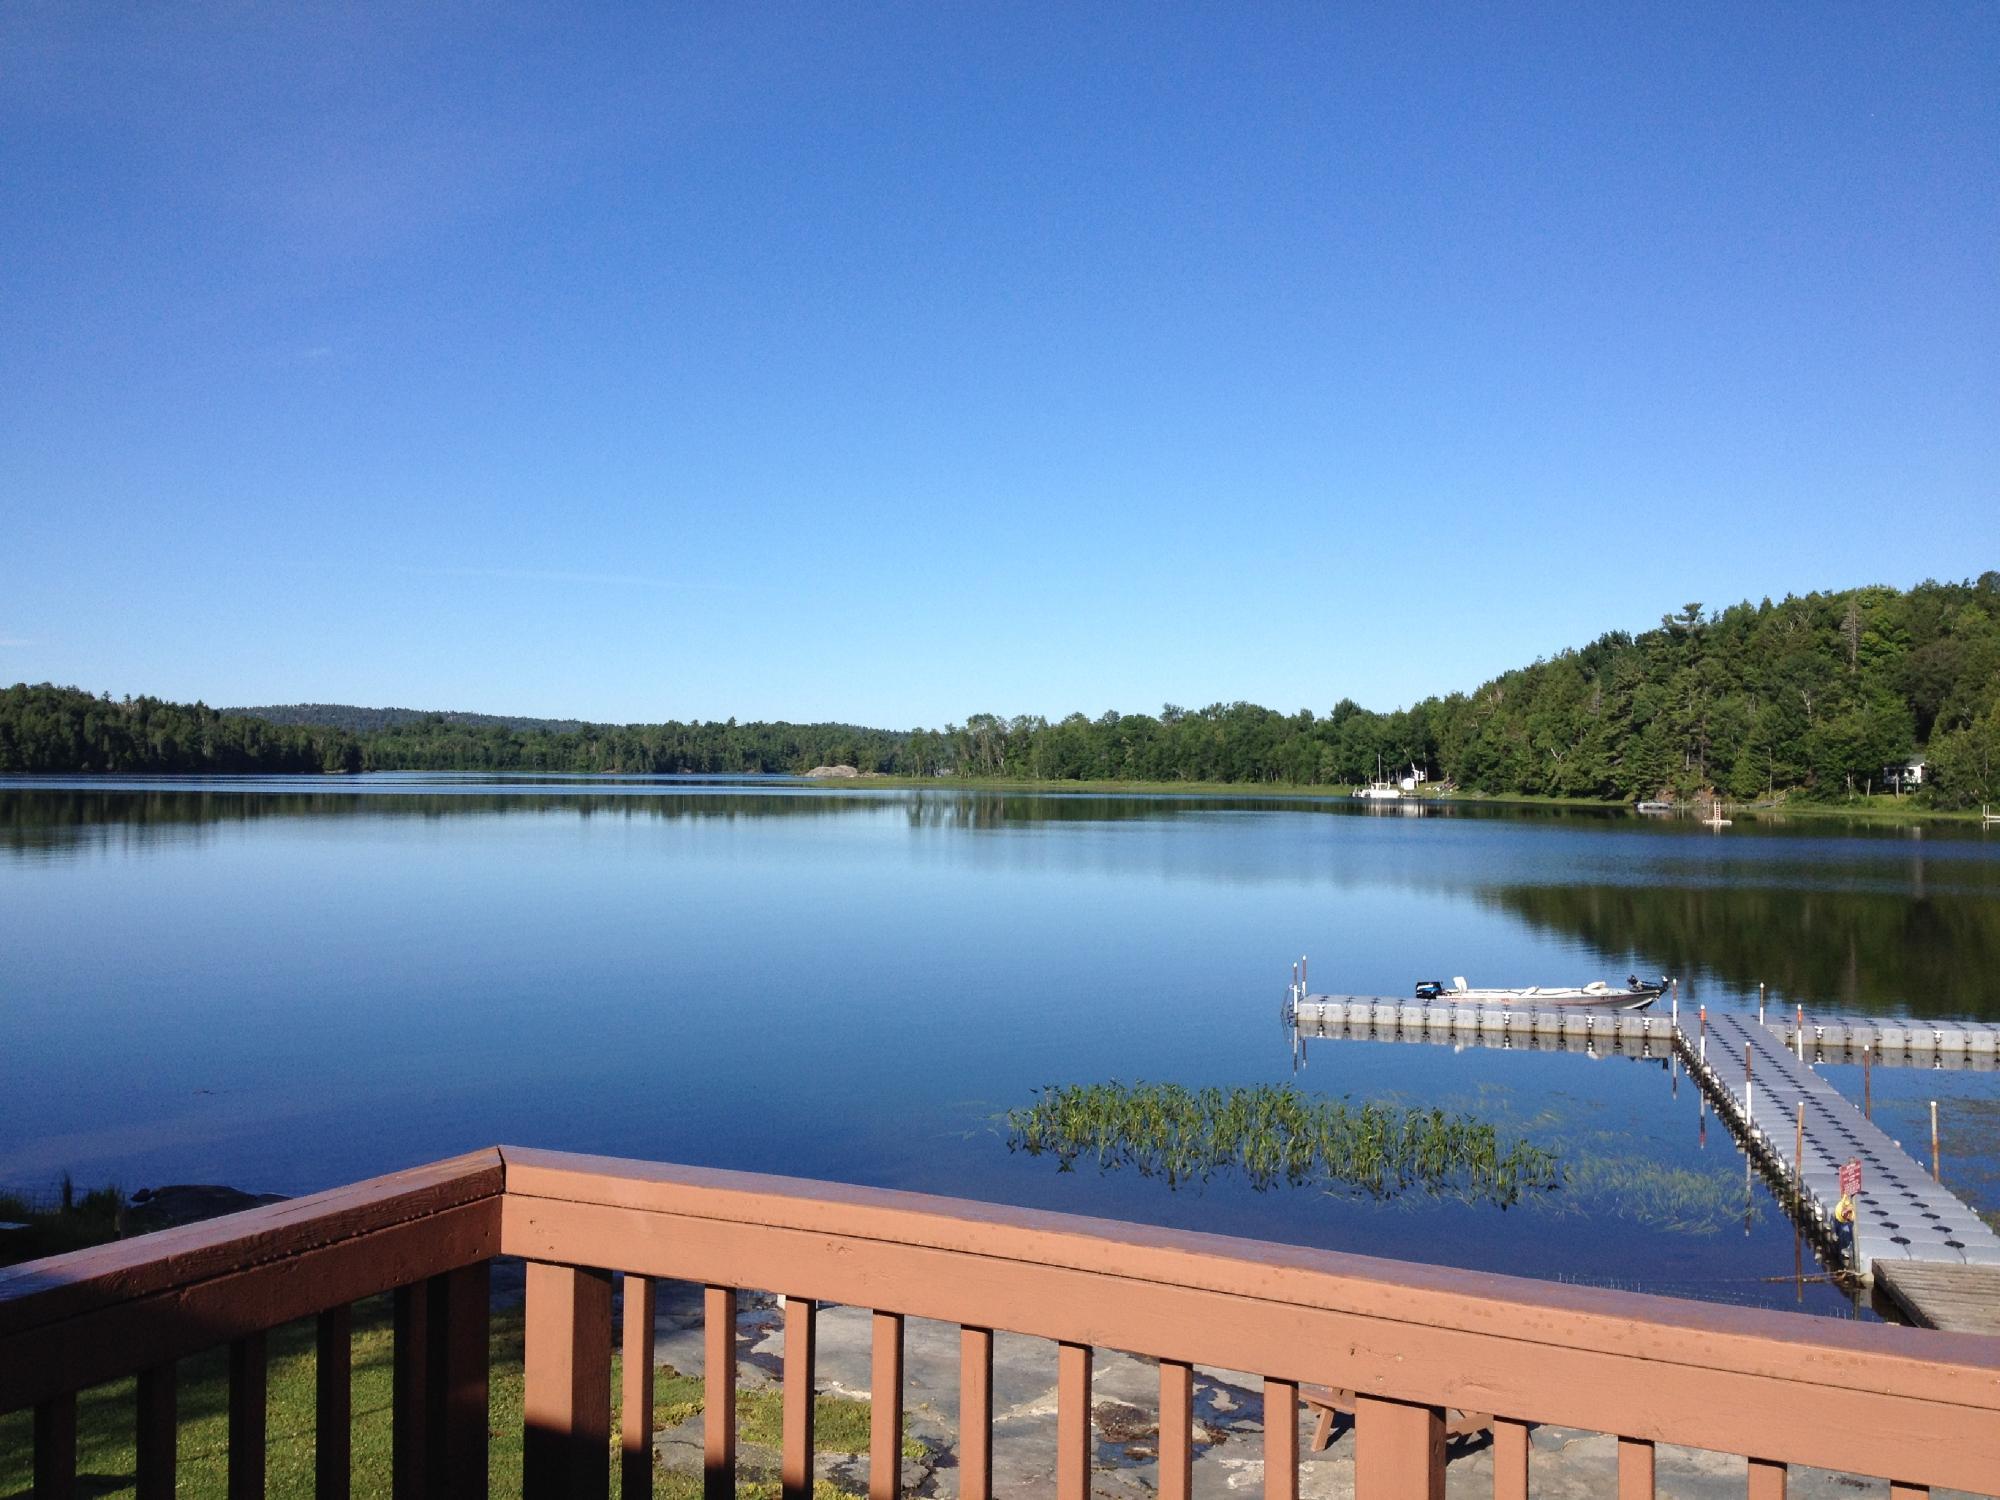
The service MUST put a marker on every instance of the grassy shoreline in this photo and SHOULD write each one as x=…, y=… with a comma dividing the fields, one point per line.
x=1872, y=809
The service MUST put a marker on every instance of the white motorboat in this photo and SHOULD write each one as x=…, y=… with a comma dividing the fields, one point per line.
x=1381, y=789
x=1634, y=994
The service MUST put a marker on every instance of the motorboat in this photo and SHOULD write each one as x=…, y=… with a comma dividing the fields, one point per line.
x=1654, y=805
x=1634, y=994
x=1381, y=789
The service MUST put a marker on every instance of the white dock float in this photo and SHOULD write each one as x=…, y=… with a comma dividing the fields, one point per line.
x=1372, y=1018
x=1891, y=1042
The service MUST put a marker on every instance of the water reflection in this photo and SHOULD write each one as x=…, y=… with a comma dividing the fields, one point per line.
x=1882, y=951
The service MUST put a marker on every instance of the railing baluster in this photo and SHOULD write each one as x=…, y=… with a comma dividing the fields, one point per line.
x=1510, y=1459
x=333, y=1404
x=795, y=1466
x=460, y=1361
x=635, y=1426
x=566, y=1407
x=1398, y=1450
x=718, y=1414
x=1073, y=1422
x=1635, y=1469
x=158, y=1444
x=1767, y=1480
x=1176, y=1430
x=55, y=1449
x=246, y=1418
x=885, y=1419
x=1281, y=1440
x=975, y=1414
x=409, y=1393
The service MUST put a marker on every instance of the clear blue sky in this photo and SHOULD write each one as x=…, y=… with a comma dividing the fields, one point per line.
x=896, y=363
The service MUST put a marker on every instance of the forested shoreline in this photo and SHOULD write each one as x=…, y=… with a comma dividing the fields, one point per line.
x=1810, y=697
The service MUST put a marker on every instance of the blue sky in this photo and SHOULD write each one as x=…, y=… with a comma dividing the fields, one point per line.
x=897, y=363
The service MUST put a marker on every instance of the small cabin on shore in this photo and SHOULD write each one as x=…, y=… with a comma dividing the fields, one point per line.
x=1906, y=776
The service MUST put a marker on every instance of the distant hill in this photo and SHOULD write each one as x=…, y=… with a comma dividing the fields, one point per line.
x=357, y=720
x=1823, y=696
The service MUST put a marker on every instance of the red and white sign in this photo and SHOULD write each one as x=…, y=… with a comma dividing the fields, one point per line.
x=1850, y=1179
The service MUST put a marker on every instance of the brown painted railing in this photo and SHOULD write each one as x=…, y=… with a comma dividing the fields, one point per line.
x=1918, y=1408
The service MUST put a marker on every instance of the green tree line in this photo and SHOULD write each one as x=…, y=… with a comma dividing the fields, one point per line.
x=1811, y=696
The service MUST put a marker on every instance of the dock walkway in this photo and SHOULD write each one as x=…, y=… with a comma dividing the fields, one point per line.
x=1904, y=1214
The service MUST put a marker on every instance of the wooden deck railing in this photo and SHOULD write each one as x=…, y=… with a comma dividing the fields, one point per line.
x=1917, y=1408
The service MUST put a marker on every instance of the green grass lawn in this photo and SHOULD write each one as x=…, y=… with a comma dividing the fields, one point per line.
x=105, y=1438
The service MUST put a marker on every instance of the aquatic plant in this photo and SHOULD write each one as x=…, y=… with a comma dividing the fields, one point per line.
x=1276, y=1134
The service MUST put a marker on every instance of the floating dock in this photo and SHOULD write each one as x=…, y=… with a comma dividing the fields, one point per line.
x=1892, y=1043
x=1907, y=1222
x=1903, y=1213
x=1971, y=1045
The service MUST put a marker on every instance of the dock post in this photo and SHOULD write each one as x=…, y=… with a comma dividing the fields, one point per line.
x=1802, y=1033
x=1703, y=1048
x=1799, y=1159
x=1760, y=1002
x=1749, y=1098
x=1936, y=1162
x=1868, y=1080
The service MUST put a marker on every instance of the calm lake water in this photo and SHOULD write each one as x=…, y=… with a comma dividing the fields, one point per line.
x=283, y=985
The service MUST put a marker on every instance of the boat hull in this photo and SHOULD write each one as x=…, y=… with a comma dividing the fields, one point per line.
x=1585, y=997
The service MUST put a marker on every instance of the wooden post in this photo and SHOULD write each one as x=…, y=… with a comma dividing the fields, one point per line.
x=795, y=1468
x=566, y=1405
x=718, y=1414
x=1073, y=1422
x=55, y=1449
x=975, y=1414
x=246, y=1418
x=885, y=1417
x=333, y=1404
x=1510, y=1459
x=635, y=1397
x=409, y=1398
x=1635, y=1469
x=158, y=1434
x=1281, y=1440
x=458, y=1412
x=1176, y=1430
x=1398, y=1450
x=1767, y=1480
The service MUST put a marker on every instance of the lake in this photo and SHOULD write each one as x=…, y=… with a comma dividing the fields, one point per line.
x=286, y=984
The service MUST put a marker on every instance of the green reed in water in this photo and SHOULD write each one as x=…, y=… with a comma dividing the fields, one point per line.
x=1276, y=1134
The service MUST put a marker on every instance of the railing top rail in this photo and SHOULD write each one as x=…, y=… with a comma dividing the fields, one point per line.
x=1962, y=1369
x=44, y=1292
